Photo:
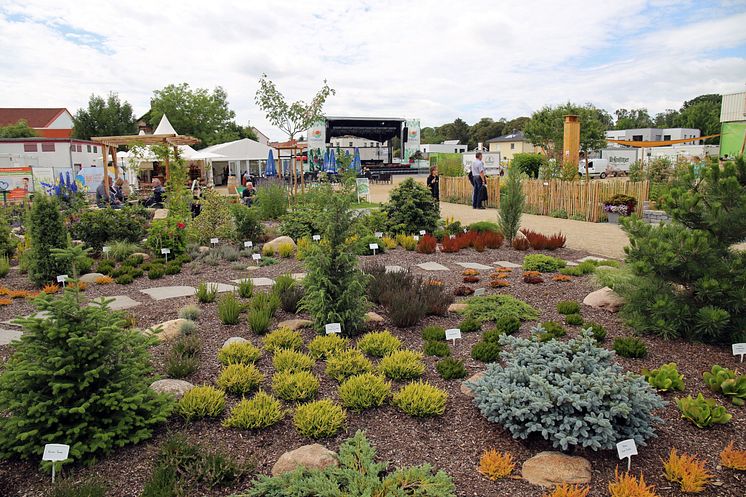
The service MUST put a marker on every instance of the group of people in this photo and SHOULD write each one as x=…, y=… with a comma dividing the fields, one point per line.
x=118, y=191
x=477, y=178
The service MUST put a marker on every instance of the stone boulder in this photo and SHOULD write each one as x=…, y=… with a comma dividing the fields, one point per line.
x=145, y=257
x=549, y=469
x=372, y=317
x=90, y=277
x=295, y=324
x=308, y=456
x=279, y=241
x=203, y=250
x=175, y=387
x=457, y=307
x=233, y=340
x=604, y=298
x=169, y=329
x=465, y=385
x=160, y=214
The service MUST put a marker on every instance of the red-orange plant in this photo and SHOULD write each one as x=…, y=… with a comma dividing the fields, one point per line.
x=427, y=244
x=521, y=244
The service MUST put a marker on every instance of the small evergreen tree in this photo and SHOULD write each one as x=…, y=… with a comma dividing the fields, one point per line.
x=688, y=281
x=411, y=208
x=8, y=243
x=47, y=231
x=512, y=200
x=335, y=287
x=79, y=378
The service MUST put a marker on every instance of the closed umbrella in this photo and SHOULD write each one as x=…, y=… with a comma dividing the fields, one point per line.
x=332, y=163
x=270, y=170
x=356, y=164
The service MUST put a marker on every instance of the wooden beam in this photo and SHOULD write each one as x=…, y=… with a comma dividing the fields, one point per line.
x=167, y=166
x=114, y=162
x=164, y=139
x=105, y=151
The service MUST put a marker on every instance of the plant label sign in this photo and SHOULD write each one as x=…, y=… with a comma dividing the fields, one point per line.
x=106, y=249
x=422, y=232
x=256, y=257
x=165, y=251
x=416, y=238
x=627, y=449
x=453, y=334
x=479, y=292
x=55, y=453
x=379, y=234
x=248, y=244
x=214, y=241
x=316, y=238
x=333, y=328
x=466, y=230
x=739, y=349
x=62, y=278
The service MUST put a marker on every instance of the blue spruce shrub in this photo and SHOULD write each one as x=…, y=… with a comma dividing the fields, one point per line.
x=571, y=393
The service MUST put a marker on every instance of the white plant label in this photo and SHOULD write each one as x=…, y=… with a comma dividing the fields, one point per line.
x=466, y=229
x=256, y=257
x=453, y=334
x=452, y=237
x=316, y=238
x=248, y=244
x=62, y=278
x=479, y=292
x=739, y=349
x=422, y=232
x=416, y=238
x=214, y=241
x=165, y=251
x=627, y=449
x=379, y=234
x=333, y=328
x=106, y=249
x=54, y=453
x=373, y=246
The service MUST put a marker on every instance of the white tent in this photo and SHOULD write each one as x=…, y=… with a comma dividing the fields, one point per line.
x=237, y=156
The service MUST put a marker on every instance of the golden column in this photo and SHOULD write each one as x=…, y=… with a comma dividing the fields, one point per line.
x=571, y=141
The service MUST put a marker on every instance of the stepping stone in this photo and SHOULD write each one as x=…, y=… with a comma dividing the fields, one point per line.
x=457, y=307
x=473, y=265
x=263, y=281
x=394, y=269
x=591, y=258
x=222, y=287
x=432, y=266
x=121, y=302
x=169, y=292
x=571, y=263
x=7, y=336
x=40, y=315
x=298, y=276
x=507, y=264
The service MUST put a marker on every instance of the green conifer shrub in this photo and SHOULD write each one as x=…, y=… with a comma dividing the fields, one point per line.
x=512, y=200
x=498, y=307
x=484, y=351
x=574, y=319
x=568, y=307
x=542, y=263
x=451, y=369
x=46, y=230
x=575, y=375
x=47, y=393
x=630, y=347
x=8, y=242
x=411, y=208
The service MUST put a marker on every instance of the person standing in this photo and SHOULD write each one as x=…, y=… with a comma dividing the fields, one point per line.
x=478, y=180
x=433, y=182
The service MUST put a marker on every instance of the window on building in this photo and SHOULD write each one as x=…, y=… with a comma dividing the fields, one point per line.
x=350, y=143
x=636, y=138
x=512, y=146
x=88, y=148
x=47, y=147
x=95, y=149
x=30, y=147
x=666, y=137
x=80, y=148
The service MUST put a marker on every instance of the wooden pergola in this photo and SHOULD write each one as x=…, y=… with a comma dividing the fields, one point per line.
x=109, y=145
x=295, y=148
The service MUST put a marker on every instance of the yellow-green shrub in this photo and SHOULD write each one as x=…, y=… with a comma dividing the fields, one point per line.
x=389, y=242
x=202, y=401
x=402, y=365
x=421, y=399
x=325, y=346
x=379, y=344
x=240, y=378
x=268, y=251
x=364, y=391
x=239, y=353
x=291, y=360
x=347, y=363
x=319, y=419
x=303, y=244
x=261, y=411
x=295, y=387
x=285, y=250
x=408, y=242
x=283, y=338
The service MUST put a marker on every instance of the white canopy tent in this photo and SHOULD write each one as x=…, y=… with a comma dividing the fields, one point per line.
x=236, y=157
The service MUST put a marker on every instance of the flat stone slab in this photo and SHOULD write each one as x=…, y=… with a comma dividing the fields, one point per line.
x=40, y=315
x=509, y=264
x=169, y=292
x=432, y=266
x=222, y=287
x=7, y=336
x=298, y=276
x=571, y=264
x=262, y=281
x=121, y=302
x=473, y=265
x=394, y=269
x=591, y=258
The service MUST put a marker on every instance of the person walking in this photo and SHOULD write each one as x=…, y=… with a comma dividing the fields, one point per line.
x=478, y=180
x=433, y=182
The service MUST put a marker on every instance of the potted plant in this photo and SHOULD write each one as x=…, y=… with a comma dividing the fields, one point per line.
x=619, y=205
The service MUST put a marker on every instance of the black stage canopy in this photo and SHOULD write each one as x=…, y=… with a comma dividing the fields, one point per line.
x=380, y=129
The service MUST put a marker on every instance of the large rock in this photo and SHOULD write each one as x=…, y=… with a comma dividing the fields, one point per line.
x=169, y=329
x=90, y=277
x=372, y=317
x=233, y=340
x=604, y=298
x=279, y=241
x=145, y=257
x=457, y=307
x=160, y=214
x=465, y=385
x=295, y=324
x=549, y=469
x=309, y=456
x=175, y=387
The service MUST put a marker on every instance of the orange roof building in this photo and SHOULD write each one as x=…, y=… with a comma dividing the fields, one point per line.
x=47, y=122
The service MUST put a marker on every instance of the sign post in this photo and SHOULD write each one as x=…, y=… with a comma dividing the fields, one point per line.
x=627, y=449
x=373, y=247
x=333, y=328
x=62, y=279
x=166, y=251
x=453, y=334
x=739, y=349
x=256, y=257
x=55, y=453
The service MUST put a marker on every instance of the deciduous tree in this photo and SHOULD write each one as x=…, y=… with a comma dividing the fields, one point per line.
x=104, y=117
x=21, y=129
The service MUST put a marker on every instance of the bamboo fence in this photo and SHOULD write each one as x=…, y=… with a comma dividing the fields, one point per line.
x=576, y=198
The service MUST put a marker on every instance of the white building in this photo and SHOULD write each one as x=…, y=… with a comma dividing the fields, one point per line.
x=261, y=137
x=370, y=150
x=447, y=147
x=653, y=134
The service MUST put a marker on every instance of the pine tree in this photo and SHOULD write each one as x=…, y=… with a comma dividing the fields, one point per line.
x=512, y=200
x=47, y=232
x=79, y=378
x=411, y=208
x=335, y=287
x=688, y=280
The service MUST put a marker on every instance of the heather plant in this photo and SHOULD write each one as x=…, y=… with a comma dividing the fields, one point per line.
x=282, y=338
x=239, y=353
x=229, y=309
x=206, y=293
x=631, y=347
x=498, y=307
x=319, y=419
x=436, y=348
x=261, y=411
x=411, y=208
x=45, y=393
x=295, y=386
x=348, y=363
x=688, y=281
x=573, y=374
x=420, y=399
x=364, y=391
x=542, y=263
x=325, y=346
x=485, y=351
x=202, y=401
x=240, y=378
x=379, y=344
x=450, y=369
x=402, y=365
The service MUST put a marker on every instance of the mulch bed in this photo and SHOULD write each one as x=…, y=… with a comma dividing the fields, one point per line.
x=452, y=442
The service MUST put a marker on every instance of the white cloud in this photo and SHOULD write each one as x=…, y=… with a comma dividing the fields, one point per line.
x=435, y=60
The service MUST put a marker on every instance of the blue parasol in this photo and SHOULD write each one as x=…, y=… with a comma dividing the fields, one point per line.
x=332, y=163
x=270, y=169
x=356, y=164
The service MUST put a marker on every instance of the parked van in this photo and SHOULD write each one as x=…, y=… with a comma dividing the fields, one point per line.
x=596, y=167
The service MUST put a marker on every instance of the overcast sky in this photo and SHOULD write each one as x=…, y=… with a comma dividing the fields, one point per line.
x=434, y=60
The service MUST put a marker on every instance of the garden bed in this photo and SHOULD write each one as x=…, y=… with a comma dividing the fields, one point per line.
x=452, y=442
